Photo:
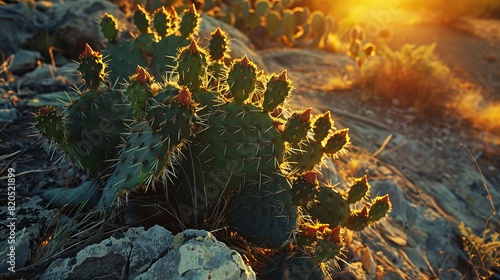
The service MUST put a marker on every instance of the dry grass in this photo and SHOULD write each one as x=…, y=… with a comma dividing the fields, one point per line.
x=412, y=77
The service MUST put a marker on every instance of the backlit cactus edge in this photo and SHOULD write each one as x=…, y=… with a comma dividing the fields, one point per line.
x=225, y=126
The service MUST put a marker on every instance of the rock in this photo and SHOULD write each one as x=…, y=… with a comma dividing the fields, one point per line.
x=132, y=251
x=31, y=223
x=47, y=78
x=153, y=254
x=76, y=22
x=17, y=26
x=196, y=254
x=24, y=61
x=8, y=115
x=368, y=262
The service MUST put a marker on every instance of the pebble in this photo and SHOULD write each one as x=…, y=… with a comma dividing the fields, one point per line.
x=25, y=61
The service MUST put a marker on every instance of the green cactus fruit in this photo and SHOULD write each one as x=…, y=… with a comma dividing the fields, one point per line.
x=218, y=44
x=141, y=20
x=241, y=79
x=264, y=214
x=262, y=7
x=297, y=126
x=304, y=187
x=331, y=207
x=162, y=21
x=192, y=63
x=138, y=91
x=49, y=123
x=277, y=89
x=359, y=189
x=109, y=27
x=337, y=141
x=321, y=126
x=92, y=68
x=358, y=219
x=189, y=22
x=379, y=209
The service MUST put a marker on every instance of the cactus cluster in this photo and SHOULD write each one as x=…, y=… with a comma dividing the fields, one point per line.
x=225, y=131
x=280, y=19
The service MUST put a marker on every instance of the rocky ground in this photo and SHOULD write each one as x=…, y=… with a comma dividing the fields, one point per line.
x=433, y=182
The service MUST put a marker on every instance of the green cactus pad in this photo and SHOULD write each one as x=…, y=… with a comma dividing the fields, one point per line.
x=321, y=126
x=337, y=141
x=264, y=214
x=380, y=207
x=297, y=126
x=241, y=79
x=358, y=190
x=49, y=123
x=192, y=66
x=189, y=22
x=139, y=163
x=218, y=44
x=109, y=27
x=277, y=89
x=331, y=207
x=92, y=68
x=141, y=20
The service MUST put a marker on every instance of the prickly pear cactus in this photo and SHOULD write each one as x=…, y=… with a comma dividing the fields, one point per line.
x=227, y=133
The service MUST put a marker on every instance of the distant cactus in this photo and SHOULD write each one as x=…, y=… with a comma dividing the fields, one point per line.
x=280, y=20
x=357, y=51
x=227, y=134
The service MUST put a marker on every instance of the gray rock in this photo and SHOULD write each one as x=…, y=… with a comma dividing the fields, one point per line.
x=153, y=254
x=76, y=22
x=196, y=254
x=113, y=257
x=17, y=26
x=31, y=221
x=24, y=61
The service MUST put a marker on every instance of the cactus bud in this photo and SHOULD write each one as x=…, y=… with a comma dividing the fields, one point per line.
x=142, y=75
x=311, y=177
x=184, y=97
x=334, y=235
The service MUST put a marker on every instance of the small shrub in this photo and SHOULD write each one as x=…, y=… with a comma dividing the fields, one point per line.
x=484, y=252
x=412, y=76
